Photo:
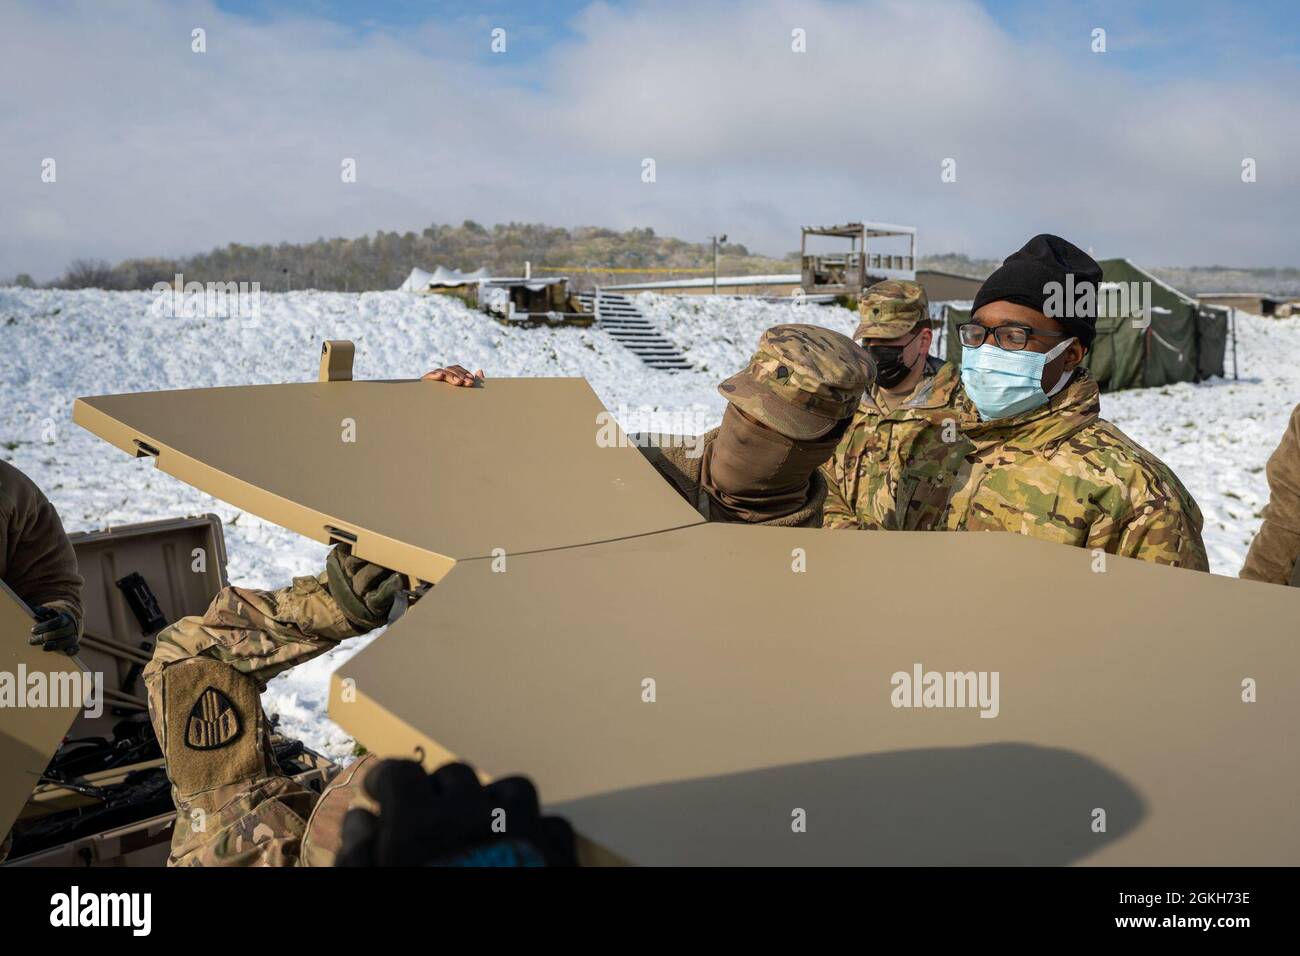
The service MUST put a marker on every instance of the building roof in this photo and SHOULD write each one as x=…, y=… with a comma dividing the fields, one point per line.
x=853, y=229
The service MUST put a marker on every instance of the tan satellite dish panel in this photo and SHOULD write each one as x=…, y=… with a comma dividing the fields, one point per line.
x=29, y=735
x=1119, y=692
x=435, y=474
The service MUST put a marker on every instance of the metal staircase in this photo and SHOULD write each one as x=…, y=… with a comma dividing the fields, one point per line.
x=624, y=322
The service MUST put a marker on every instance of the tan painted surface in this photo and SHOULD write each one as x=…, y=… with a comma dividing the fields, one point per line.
x=336, y=361
x=435, y=475
x=28, y=735
x=163, y=553
x=1118, y=690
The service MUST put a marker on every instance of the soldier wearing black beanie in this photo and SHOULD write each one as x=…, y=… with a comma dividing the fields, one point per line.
x=1038, y=459
x=1052, y=276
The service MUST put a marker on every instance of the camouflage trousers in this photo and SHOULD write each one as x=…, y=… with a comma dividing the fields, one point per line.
x=234, y=805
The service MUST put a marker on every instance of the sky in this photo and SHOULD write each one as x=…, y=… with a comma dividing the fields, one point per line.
x=759, y=116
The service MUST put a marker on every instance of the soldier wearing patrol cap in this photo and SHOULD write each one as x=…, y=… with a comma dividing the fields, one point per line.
x=887, y=470
x=785, y=414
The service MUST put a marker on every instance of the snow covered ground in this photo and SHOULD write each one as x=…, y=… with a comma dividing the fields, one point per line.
x=59, y=345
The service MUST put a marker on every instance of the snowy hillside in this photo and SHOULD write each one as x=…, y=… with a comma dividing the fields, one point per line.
x=60, y=345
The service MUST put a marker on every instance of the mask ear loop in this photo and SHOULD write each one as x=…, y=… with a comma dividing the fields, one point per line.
x=1065, y=374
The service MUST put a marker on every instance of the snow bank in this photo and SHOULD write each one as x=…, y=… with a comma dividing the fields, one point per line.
x=60, y=345
x=719, y=334
x=1217, y=435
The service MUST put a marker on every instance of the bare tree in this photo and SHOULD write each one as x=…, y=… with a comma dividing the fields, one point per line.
x=89, y=274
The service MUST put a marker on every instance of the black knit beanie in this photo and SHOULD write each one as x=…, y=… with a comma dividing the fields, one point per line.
x=1025, y=278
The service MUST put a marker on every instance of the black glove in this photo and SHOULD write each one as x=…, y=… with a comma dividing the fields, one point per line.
x=448, y=818
x=363, y=590
x=55, y=630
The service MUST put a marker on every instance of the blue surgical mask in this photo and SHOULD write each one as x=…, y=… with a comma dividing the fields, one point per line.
x=1002, y=383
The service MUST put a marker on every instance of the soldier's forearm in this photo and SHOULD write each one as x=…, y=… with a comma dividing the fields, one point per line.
x=1273, y=554
x=304, y=610
x=49, y=576
x=260, y=633
x=1162, y=535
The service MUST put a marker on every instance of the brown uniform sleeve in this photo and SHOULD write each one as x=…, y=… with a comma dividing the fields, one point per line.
x=1275, y=550
x=36, y=557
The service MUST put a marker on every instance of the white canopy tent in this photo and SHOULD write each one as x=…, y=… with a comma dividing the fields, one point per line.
x=422, y=281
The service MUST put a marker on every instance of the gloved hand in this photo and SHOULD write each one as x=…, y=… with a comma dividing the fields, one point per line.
x=55, y=630
x=363, y=590
x=448, y=818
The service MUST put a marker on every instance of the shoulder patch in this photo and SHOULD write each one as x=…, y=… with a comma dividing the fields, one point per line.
x=213, y=722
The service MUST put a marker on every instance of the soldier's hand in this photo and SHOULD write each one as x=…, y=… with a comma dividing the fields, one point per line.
x=448, y=818
x=55, y=630
x=364, y=591
x=454, y=375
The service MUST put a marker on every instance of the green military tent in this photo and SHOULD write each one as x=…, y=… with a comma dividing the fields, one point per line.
x=1183, y=342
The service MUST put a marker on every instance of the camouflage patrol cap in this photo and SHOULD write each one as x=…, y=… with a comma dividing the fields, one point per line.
x=802, y=380
x=889, y=309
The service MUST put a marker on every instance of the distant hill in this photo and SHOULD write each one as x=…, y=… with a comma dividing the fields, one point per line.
x=960, y=264
x=1279, y=281
x=1189, y=279
x=588, y=254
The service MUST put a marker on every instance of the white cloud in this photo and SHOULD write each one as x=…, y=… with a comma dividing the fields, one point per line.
x=162, y=151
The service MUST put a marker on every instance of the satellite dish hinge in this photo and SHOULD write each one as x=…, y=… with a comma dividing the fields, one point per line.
x=336, y=360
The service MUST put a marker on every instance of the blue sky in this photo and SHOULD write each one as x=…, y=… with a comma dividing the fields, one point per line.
x=1159, y=37
x=542, y=22
x=1137, y=152
x=399, y=13
x=1166, y=38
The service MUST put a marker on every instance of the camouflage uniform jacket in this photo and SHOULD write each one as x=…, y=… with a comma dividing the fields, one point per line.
x=906, y=447
x=36, y=557
x=1275, y=553
x=681, y=467
x=234, y=805
x=1061, y=473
